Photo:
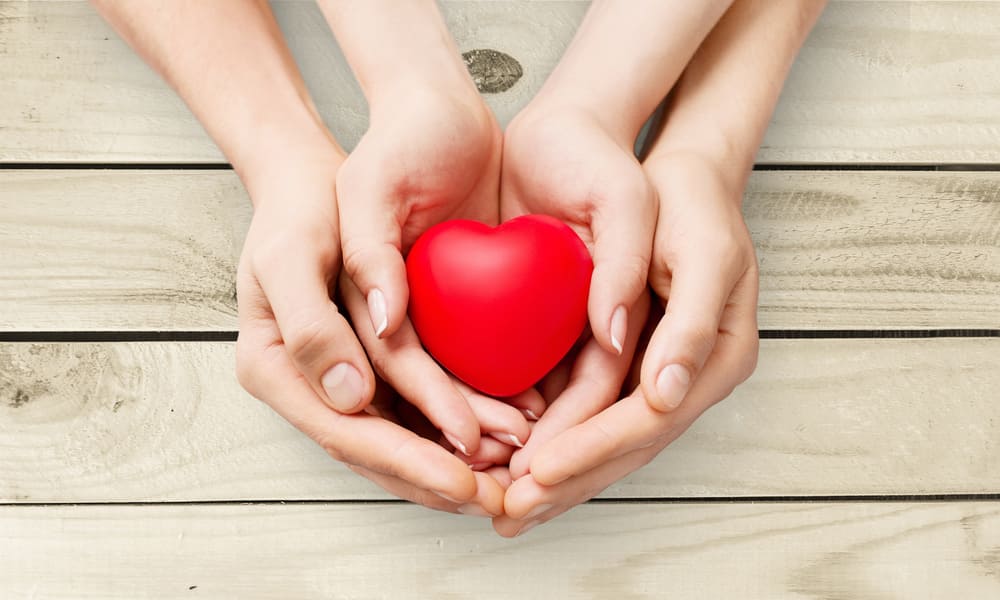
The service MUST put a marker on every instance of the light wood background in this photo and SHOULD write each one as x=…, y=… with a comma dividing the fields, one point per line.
x=862, y=459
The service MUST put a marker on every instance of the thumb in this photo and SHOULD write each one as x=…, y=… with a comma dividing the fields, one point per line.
x=685, y=336
x=371, y=241
x=623, y=240
x=318, y=339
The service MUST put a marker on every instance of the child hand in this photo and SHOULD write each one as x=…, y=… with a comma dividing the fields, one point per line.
x=433, y=156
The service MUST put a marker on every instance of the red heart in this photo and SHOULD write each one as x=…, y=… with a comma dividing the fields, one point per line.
x=499, y=307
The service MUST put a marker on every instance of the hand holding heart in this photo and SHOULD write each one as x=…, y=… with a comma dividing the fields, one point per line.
x=326, y=222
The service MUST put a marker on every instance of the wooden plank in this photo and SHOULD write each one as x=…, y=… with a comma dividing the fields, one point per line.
x=747, y=551
x=167, y=421
x=876, y=250
x=120, y=250
x=157, y=250
x=882, y=81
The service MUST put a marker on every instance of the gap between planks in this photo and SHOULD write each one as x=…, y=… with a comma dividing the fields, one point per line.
x=828, y=499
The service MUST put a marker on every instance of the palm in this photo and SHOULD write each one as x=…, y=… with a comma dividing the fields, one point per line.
x=434, y=162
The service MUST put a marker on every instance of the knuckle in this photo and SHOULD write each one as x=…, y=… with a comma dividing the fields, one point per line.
x=327, y=440
x=360, y=257
x=305, y=337
x=380, y=362
x=274, y=253
x=635, y=269
x=697, y=341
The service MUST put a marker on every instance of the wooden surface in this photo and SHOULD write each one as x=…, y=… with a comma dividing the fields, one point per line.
x=167, y=421
x=913, y=82
x=838, y=250
x=855, y=467
x=750, y=552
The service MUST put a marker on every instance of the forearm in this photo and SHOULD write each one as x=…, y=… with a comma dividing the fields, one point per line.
x=397, y=47
x=723, y=103
x=625, y=57
x=228, y=61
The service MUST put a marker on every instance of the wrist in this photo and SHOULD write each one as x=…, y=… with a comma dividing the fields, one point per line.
x=620, y=117
x=293, y=156
x=393, y=47
x=699, y=161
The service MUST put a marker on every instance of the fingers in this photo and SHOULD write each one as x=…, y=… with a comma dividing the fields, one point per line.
x=530, y=402
x=370, y=236
x=595, y=383
x=491, y=452
x=501, y=475
x=488, y=501
x=319, y=341
x=359, y=439
x=686, y=334
x=702, y=250
x=498, y=419
x=623, y=239
x=633, y=423
x=403, y=363
x=624, y=427
x=528, y=504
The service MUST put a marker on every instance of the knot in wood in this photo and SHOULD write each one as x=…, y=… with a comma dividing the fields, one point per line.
x=492, y=71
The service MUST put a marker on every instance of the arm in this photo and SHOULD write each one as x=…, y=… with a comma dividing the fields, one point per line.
x=228, y=61
x=569, y=154
x=703, y=265
x=296, y=352
x=626, y=56
x=431, y=153
x=699, y=165
x=724, y=101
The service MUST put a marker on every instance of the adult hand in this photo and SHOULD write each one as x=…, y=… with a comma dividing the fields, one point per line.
x=297, y=353
x=705, y=272
x=570, y=154
x=703, y=264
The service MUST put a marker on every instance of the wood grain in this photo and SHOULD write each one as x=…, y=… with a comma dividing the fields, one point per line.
x=746, y=551
x=167, y=421
x=876, y=250
x=157, y=250
x=882, y=81
x=118, y=250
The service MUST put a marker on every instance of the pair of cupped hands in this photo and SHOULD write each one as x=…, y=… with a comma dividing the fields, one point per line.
x=326, y=342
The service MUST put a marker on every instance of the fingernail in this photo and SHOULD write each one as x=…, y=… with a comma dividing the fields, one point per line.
x=672, y=385
x=378, y=311
x=474, y=510
x=619, y=328
x=527, y=528
x=537, y=511
x=530, y=414
x=447, y=497
x=480, y=466
x=457, y=443
x=508, y=438
x=343, y=385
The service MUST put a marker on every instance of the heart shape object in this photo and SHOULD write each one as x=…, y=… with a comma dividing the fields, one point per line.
x=499, y=307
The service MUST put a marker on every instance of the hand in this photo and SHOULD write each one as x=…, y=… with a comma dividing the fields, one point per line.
x=560, y=161
x=703, y=263
x=427, y=158
x=298, y=354
x=705, y=271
